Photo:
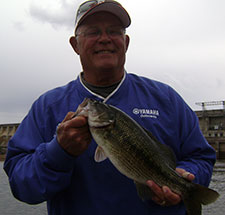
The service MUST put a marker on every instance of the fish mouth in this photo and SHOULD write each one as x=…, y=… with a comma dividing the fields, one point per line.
x=100, y=115
x=100, y=126
x=99, y=121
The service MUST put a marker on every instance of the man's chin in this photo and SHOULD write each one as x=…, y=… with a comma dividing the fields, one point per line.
x=106, y=67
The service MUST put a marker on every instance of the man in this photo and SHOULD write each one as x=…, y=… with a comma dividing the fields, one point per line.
x=51, y=156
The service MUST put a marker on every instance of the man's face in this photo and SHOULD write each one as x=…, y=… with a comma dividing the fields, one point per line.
x=104, y=52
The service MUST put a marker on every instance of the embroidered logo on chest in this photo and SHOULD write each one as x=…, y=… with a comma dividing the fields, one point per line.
x=152, y=113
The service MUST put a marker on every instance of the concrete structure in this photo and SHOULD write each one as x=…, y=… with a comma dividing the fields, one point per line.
x=212, y=124
x=6, y=132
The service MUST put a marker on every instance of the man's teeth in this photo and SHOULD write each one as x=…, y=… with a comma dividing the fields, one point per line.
x=104, y=51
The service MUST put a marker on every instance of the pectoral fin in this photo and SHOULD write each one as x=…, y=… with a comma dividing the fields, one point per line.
x=100, y=154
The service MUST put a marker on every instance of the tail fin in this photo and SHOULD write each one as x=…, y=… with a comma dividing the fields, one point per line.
x=197, y=196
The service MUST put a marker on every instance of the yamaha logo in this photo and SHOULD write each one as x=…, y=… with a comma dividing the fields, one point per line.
x=146, y=112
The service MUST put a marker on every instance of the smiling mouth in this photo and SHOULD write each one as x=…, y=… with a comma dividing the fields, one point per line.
x=104, y=52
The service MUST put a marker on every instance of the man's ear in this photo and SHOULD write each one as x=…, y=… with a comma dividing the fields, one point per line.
x=127, y=41
x=73, y=43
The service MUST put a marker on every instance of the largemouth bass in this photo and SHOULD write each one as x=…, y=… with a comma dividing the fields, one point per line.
x=137, y=154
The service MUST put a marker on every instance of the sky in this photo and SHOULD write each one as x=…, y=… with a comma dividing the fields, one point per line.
x=178, y=42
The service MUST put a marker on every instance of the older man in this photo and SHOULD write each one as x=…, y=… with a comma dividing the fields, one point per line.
x=51, y=156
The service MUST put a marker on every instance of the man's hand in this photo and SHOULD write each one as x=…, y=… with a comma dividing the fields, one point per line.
x=73, y=134
x=163, y=195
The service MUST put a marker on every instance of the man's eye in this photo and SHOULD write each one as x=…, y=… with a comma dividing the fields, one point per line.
x=92, y=33
x=115, y=32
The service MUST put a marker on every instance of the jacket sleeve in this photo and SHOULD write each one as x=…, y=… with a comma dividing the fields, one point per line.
x=37, y=166
x=195, y=154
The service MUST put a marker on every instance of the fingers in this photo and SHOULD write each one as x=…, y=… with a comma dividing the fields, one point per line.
x=189, y=176
x=69, y=116
x=77, y=121
x=163, y=196
x=158, y=192
x=171, y=198
x=73, y=134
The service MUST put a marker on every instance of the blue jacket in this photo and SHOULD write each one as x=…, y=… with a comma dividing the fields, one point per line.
x=40, y=170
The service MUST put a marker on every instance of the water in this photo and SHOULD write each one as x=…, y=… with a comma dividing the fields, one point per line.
x=218, y=184
x=10, y=206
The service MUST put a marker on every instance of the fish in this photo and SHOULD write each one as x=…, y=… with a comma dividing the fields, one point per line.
x=138, y=155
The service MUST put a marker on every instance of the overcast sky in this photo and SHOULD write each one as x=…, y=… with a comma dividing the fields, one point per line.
x=179, y=42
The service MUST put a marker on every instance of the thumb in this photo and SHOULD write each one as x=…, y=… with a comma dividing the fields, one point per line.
x=69, y=116
x=189, y=176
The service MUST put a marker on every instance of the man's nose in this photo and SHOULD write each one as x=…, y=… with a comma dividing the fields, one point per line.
x=104, y=36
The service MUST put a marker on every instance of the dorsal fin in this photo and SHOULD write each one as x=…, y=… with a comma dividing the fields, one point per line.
x=167, y=152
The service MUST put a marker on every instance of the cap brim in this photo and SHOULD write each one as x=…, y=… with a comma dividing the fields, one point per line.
x=110, y=7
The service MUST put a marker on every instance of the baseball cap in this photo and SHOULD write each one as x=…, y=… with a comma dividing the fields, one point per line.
x=92, y=6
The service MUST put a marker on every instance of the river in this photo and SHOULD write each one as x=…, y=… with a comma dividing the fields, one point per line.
x=10, y=206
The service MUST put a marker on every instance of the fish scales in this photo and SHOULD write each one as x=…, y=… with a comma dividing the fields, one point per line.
x=141, y=157
x=138, y=155
x=133, y=158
